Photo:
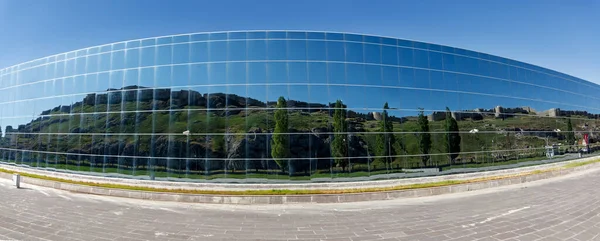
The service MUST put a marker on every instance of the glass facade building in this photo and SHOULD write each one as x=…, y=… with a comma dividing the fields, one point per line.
x=262, y=106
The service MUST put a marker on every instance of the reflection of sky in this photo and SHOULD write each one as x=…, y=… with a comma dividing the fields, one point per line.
x=363, y=75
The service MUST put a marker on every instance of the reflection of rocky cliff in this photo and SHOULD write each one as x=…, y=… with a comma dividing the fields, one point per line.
x=256, y=145
x=242, y=129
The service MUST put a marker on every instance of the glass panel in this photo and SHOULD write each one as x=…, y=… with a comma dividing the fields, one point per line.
x=198, y=52
x=335, y=51
x=198, y=74
x=146, y=77
x=316, y=50
x=257, y=50
x=132, y=58
x=372, y=53
x=389, y=55
x=315, y=35
x=317, y=73
x=373, y=74
x=296, y=35
x=181, y=53
x=236, y=73
x=448, y=62
x=276, y=49
x=277, y=73
x=405, y=57
x=218, y=51
x=118, y=60
x=354, y=52
x=298, y=72
x=217, y=73
x=421, y=59
x=237, y=51
x=164, y=55
x=257, y=73
x=336, y=73
x=181, y=75
x=435, y=61
x=276, y=35
x=257, y=35
x=199, y=37
x=162, y=76
x=104, y=63
x=147, y=58
x=390, y=76
x=296, y=50
x=237, y=35
x=79, y=66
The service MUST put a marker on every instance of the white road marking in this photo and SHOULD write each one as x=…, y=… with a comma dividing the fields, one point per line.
x=45, y=193
x=118, y=213
x=495, y=217
x=2, y=184
x=65, y=197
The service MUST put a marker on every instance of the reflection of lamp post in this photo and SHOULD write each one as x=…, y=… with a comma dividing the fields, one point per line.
x=389, y=154
x=474, y=131
x=493, y=150
x=187, y=160
x=347, y=161
x=368, y=159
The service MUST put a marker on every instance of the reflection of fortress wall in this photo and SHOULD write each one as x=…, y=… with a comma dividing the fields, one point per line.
x=436, y=116
x=554, y=112
x=439, y=115
x=503, y=112
x=579, y=113
x=377, y=116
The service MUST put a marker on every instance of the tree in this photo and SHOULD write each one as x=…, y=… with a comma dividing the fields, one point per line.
x=218, y=144
x=452, y=137
x=424, y=137
x=339, y=147
x=280, y=142
x=386, y=140
x=570, y=134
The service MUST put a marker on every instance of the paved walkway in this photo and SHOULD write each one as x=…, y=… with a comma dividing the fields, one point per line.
x=564, y=208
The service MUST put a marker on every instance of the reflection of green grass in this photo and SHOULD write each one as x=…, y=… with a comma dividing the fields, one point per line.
x=497, y=163
x=359, y=170
x=162, y=172
x=578, y=164
x=298, y=192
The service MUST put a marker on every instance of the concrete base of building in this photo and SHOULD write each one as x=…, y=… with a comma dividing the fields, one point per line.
x=495, y=179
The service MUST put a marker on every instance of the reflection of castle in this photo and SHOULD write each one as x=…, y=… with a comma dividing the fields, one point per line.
x=503, y=112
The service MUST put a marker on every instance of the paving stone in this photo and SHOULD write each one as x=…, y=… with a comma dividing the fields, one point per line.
x=561, y=209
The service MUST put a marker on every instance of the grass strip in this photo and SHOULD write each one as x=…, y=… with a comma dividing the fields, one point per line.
x=300, y=192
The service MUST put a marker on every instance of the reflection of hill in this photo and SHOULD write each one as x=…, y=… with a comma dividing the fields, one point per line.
x=248, y=122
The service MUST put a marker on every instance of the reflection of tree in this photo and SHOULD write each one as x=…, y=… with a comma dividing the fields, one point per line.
x=339, y=148
x=424, y=137
x=104, y=140
x=452, y=137
x=280, y=143
x=570, y=134
x=385, y=139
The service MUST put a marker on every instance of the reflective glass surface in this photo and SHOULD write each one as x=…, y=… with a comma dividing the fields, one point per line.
x=276, y=106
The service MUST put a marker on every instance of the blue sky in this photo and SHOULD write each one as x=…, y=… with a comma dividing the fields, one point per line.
x=561, y=35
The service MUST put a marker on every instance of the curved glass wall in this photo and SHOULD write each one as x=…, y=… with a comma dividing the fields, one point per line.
x=287, y=106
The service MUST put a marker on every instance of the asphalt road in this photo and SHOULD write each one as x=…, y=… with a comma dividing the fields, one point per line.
x=564, y=208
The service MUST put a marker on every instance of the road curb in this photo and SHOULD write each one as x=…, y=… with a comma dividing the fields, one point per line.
x=295, y=199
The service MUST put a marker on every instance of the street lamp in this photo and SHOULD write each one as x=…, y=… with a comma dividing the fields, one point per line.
x=474, y=131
